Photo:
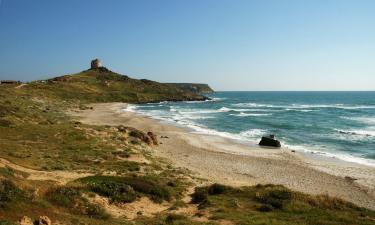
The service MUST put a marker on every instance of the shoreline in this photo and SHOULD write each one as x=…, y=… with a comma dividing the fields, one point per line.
x=221, y=160
x=336, y=157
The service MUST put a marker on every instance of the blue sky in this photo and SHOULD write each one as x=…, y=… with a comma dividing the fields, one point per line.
x=229, y=44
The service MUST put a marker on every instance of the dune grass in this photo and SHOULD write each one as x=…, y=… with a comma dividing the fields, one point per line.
x=275, y=204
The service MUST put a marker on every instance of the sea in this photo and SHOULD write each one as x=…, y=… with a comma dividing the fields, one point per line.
x=331, y=124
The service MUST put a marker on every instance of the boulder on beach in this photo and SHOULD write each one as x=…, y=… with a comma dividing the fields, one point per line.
x=270, y=141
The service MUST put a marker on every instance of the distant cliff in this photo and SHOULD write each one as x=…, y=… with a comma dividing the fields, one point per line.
x=195, y=88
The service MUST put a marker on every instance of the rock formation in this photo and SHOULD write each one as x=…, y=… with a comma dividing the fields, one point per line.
x=269, y=141
x=25, y=221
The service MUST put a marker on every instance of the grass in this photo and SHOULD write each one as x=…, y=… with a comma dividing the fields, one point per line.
x=36, y=133
x=275, y=204
x=106, y=86
x=10, y=193
x=126, y=189
x=71, y=198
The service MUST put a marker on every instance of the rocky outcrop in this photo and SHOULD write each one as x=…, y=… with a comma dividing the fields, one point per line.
x=150, y=138
x=44, y=220
x=269, y=141
x=25, y=221
x=153, y=138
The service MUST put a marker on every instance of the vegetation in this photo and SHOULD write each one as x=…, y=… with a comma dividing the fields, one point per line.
x=71, y=198
x=102, y=85
x=36, y=133
x=126, y=189
x=275, y=204
x=196, y=88
x=9, y=193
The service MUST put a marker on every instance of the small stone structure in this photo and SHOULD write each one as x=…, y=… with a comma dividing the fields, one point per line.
x=96, y=64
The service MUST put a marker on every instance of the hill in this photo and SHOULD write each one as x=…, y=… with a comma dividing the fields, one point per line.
x=103, y=85
x=55, y=167
x=195, y=88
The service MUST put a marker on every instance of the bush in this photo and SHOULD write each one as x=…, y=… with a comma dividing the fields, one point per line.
x=6, y=222
x=71, y=198
x=274, y=195
x=113, y=187
x=171, y=218
x=200, y=195
x=63, y=196
x=9, y=192
x=216, y=189
x=4, y=123
x=116, y=191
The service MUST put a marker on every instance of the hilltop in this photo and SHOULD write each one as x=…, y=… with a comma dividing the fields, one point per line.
x=102, y=85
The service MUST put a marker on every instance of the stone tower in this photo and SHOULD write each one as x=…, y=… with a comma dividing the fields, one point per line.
x=96, y=64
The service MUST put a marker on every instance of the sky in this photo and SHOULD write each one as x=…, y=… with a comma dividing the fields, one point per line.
x=233, y=45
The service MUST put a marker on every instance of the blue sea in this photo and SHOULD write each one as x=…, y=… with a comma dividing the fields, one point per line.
x=332, y=124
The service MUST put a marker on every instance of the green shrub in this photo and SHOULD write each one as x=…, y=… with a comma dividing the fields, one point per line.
x=4, y=123
x=6, y=222
x=71, y=198
x=116, y=191
x=63, y=196
x=110, y=186
x=274, y=195
x=172, y=218
x=137, y=134
x=200, y=195
x=216, y=189
x=9, y=192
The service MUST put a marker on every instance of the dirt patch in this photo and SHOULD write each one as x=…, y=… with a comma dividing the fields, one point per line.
x=143, y=206
x=61, y=177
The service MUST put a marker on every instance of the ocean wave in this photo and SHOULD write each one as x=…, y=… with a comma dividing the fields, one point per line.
x=337, y=155
x=300, y=110
x=242, y=114
x=363, y=133
x=258, y=133
x=130, y=108
x=365, y=120
x=225, y=109
x=303, y=106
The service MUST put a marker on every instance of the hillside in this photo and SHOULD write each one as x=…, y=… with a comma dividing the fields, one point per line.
x=194, y=87
x=103, y=85
x=53, y=166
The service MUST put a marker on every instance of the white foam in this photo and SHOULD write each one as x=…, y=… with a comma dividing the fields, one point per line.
x=242, y=114
x=337, y=155
x=365, y=120
x=253, y=133
x=303, y=106
x=363, y=133
x=130, y=108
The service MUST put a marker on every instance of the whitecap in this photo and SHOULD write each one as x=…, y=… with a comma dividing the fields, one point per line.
x=242, y=114
x=365, y=120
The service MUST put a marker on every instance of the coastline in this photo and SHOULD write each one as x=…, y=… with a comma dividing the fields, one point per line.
x=221, y=160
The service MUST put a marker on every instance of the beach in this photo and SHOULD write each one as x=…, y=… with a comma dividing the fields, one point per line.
x=220, y=160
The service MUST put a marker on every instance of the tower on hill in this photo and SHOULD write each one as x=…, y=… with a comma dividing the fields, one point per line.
x=96, y=63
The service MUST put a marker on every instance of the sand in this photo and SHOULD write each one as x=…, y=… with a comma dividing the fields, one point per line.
x=216, y=159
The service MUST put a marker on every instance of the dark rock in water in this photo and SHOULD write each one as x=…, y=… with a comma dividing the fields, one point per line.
x=269, y=141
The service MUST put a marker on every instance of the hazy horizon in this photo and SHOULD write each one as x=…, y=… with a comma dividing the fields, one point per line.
x=230, y=45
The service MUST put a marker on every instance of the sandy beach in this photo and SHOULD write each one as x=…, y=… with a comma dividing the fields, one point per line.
x=216, y=159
